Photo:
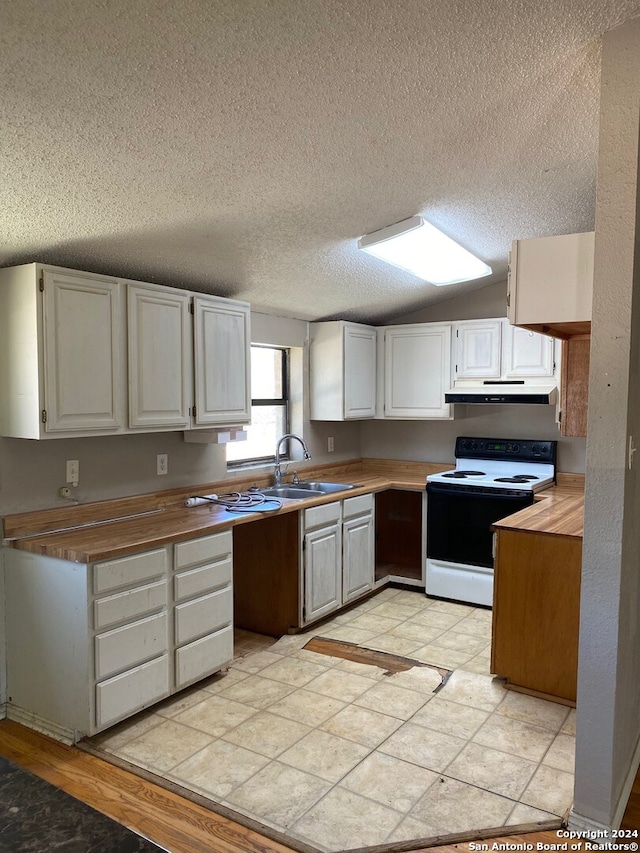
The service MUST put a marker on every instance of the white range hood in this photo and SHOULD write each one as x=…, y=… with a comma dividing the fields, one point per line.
x=511, y=393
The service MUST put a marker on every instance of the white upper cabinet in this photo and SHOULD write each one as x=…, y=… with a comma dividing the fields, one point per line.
x=551, y=283
x=417, y=370
x=478, y=349
x=64, y=339
x=160, y=344
x=494, y=350
x=527, y=353
x=222, y=352
x=342, y=369
x=61, y=365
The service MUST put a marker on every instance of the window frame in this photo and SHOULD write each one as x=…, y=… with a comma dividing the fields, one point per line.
x=284, y=401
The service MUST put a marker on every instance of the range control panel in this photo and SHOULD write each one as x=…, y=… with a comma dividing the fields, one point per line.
x=520, y=449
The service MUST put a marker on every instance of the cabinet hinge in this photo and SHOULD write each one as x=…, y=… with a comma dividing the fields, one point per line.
x=508, y=300
x=192, y=308
x=41, y=282
x=44, y=416
x=193, y=411
x=560, y=416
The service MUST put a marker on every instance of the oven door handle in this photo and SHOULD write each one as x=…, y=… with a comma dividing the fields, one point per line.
x=477, y=492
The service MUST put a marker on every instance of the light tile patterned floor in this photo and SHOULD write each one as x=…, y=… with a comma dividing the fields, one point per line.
x=339, y=755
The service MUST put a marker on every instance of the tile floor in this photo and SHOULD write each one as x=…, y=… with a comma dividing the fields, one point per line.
x=339, y=755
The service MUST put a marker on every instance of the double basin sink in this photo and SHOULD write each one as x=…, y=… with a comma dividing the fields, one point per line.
x=305, y=489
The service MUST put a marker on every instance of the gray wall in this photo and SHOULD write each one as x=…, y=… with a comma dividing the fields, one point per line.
x=608, y=710
x=434, y=441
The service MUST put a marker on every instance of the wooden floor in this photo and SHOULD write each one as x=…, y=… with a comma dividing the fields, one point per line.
x=176, y=824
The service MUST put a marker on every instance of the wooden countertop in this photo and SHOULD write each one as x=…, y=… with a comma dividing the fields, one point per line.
x=109, y=529
x=558, y=511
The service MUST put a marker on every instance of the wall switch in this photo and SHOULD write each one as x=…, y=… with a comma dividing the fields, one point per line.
x=330, y=444
x=162, y=463
x=73, y=471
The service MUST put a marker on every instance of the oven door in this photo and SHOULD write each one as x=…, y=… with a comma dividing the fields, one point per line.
x=459, y=520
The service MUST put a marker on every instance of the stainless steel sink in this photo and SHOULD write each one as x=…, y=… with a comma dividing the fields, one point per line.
x=327, y=488
x=294, y=492
x=305, y=489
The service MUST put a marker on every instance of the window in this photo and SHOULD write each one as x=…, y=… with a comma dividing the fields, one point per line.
x=269, y=406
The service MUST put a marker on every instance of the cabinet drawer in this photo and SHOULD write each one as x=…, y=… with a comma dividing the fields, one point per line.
x=206, y=578
x=203, y=657
x=203, y=550
x=131, y=691
x=317, y=516
x=203, y=615
x=357, y=506
x=129, y=570
x=130, y=644
x=129, y=604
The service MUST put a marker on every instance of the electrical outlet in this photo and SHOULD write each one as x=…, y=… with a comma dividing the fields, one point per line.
x=330, y=444
x=73, y=471
x=162, y=463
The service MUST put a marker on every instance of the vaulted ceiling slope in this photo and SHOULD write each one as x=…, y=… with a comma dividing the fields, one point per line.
x=240, y=147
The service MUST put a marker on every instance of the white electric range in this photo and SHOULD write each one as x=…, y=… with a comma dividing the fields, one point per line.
x=493, y=478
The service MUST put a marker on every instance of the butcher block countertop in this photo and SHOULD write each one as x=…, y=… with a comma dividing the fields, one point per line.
x=108, y=529
x=558, y=511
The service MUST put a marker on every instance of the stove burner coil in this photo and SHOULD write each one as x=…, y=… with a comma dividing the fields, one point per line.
x=460, y=475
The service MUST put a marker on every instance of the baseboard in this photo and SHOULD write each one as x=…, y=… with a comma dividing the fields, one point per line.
x=45, y=727
x=594, y=830
x=3, y=711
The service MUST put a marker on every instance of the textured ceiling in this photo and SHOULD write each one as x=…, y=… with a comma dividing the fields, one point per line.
x=241, y=147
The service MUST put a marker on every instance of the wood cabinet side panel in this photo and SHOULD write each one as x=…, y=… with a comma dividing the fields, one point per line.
x=536, y=611
x=574, y=389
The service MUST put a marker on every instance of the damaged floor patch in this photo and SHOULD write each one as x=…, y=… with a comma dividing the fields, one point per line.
x=390, y=663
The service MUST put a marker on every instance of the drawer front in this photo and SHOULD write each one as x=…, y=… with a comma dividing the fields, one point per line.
x=131, y=691
x=203, y=657
x=318, y=516
x=129, y=604
x=195, y=581
x=131, y=644
x=129, y=570
x=203, y=615
x=203, y=550
x=357, y=506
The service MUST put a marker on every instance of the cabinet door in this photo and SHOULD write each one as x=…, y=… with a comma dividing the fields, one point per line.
x=323, y=571
x=527, y=354
x=478, y=348
x=551, y=281
x=222, y=343
x=359, y=372
x=160, y=380
x=82, y=333
x=417, y=371
x=358, y=565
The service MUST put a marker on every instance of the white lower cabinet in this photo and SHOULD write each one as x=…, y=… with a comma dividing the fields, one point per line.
x=203, y=611
x=358, y=540
x=89, y=645
x=322, y=546
x=131, y=635
x=338, y=554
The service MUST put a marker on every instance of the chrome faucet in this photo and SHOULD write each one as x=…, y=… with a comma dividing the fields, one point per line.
x=277, y=472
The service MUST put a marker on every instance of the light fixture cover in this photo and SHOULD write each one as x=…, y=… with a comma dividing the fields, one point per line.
x=420, y=248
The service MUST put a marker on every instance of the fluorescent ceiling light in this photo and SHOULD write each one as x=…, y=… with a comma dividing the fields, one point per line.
x=418, y=247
